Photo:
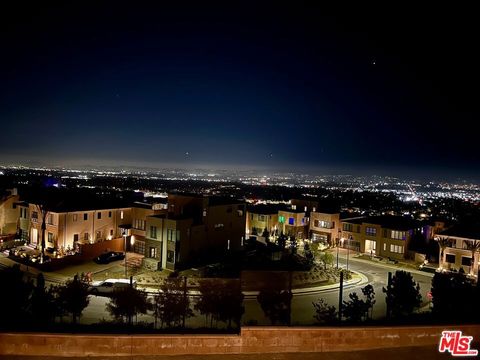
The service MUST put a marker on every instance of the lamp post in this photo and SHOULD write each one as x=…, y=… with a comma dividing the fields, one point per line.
x=125, y=251
x=338, y=244
x=348, y=248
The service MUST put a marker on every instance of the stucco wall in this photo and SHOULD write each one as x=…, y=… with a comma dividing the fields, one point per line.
x=251, y=340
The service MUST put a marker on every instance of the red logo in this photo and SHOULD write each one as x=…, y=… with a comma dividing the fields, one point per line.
x=456, y=344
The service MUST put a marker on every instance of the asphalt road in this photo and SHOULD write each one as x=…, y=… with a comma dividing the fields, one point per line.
x=302, y=308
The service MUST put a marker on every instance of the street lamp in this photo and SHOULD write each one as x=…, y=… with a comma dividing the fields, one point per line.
x=348, y=248
x=125, y=252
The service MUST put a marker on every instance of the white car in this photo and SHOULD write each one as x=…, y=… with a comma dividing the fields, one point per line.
x=107, y=287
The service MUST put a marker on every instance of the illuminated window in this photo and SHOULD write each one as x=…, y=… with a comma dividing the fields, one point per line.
x=371, y=231
x=50, y=237
x=281, y=219
x=75, y=217
x=121, y=214
x=291, y=221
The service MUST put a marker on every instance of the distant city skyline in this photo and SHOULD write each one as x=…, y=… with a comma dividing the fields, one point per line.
x=297, y=88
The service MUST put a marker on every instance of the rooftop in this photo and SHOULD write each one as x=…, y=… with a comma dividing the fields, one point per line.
x=467, y=231
x=387, y=221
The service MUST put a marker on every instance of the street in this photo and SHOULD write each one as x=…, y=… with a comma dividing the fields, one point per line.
x=302, y=308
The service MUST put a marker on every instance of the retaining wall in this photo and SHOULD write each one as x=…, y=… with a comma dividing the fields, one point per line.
x=251, y=340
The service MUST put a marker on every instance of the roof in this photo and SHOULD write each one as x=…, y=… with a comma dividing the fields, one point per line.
x=467, y=231
x=387, y=221
x=265, y=209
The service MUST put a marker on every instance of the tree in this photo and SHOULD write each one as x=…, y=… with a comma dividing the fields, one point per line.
x=315, y=249
x=73, y=297
x=356, y=309
x=220, y=301
x=282, y=240
x=455, y=297
x=403, y=294
x=308, y=253
x=128, y=302
x=15, y=300
x=230, y=304
x=324, y=314
x=443, y=243
x=473, y=246
x=327, y=259
x=43, y=306
x=276, y=305
x=172, y=304
x=266, y=235
x=293, y=244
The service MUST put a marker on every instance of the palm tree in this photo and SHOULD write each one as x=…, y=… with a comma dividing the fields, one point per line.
x=443, y=243
x=473, y=246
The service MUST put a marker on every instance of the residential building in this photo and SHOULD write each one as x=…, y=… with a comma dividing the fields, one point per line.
x=385, y=236
x=9, y=213
x=293, y=222
x=463, y=250
x=324, y=227
x=260, y=218
x=195, y=226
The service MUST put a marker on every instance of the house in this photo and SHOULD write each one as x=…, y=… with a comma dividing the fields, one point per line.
x=462, y=248
x=194, y=227
x=386, y=236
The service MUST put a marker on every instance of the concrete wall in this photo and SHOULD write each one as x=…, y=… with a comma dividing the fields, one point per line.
x=251, y=340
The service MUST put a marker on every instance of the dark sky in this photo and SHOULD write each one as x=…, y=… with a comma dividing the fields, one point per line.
x=237, y=84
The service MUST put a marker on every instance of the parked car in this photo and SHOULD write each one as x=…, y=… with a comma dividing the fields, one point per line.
x=107, y=257
x=107, y=287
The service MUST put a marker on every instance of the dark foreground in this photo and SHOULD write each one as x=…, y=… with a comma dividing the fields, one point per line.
x=410, y=353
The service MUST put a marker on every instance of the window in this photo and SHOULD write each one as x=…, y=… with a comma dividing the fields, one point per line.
x=75, y=217
x=291, y=221
x=398, y=249
x=325, y=224
x=99, y=215
x=50, y=219
x=450, y=258
x=371, y=231
x=139, y=224
x=466, y=260
x=98, y=235
x=86, y=237
x=50, y=237
x=75, y=237
x=170, y=235
x=85, y=217
x=121, y=214
x=34, y=216
x=153, y=232
x=398, y=235
x=348, y=227
x=109, y=214
x=384, y=246
x=153, y=252
x=170, y=256
x=316, y=223
x=281, y=219
x=111, y=232
x=261, y=217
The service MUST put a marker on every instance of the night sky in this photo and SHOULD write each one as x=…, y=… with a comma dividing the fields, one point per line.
x=233, y=85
